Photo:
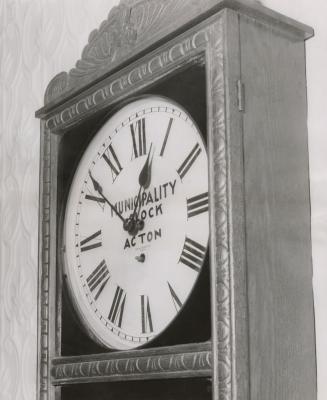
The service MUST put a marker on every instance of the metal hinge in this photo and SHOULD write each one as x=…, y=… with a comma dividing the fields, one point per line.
x=240, y=96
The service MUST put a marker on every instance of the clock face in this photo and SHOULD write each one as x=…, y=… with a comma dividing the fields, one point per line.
x=136, y=224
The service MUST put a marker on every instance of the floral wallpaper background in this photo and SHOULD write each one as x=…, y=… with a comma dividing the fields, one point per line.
x=38, y=39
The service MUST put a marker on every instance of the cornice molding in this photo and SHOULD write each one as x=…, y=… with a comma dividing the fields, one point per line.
x=130, y=79
x=131, y=27
x=135, y=26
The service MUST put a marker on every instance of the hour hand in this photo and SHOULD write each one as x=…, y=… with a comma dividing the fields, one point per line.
x=98, y=188
x=144, y=180
x=134, y=224
x=145, y=174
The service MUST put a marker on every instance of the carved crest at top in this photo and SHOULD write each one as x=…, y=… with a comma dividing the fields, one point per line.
x=114, y=37
x=131, y=27
x=137, y=25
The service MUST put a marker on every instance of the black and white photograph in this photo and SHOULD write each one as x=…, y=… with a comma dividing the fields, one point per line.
x=163, y=203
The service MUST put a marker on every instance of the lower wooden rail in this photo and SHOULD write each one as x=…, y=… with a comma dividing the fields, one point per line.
x=183, y=361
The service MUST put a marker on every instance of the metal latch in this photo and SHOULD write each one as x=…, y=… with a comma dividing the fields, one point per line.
x=240, y=96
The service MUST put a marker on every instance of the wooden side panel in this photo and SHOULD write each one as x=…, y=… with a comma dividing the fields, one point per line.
x=281, y=319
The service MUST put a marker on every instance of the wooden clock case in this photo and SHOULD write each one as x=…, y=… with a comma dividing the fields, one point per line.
x=248, y=330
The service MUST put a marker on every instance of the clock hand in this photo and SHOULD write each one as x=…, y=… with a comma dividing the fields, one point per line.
x=145, y=174
x=144, y=181
x=98, y=188
x=144, y=177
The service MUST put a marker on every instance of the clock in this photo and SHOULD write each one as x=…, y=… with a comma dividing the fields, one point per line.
x=174, y=250
x=136, y=223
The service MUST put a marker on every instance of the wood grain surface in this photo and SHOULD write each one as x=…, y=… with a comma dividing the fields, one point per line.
x=281, y=321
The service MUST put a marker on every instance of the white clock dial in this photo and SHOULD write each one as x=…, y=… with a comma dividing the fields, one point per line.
x=136, y=223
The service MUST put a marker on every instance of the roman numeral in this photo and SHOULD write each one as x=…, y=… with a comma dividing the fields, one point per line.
x=98, y=279
x=138, y=138
x=197, y=205
x=177, y=303
x=166, y=137
x=193, y=254
x=111, y=159
x=147, y=326
x=86, y=245
x=98, y=200
x=95, y=198
x=189, y=161
x=117, y=307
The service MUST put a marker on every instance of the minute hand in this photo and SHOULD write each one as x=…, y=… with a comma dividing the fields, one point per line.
x=98, y=188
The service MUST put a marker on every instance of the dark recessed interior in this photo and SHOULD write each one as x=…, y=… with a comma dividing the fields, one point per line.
x=175, y=389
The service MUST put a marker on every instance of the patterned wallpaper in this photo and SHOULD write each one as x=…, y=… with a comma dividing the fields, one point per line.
x=38, y=39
